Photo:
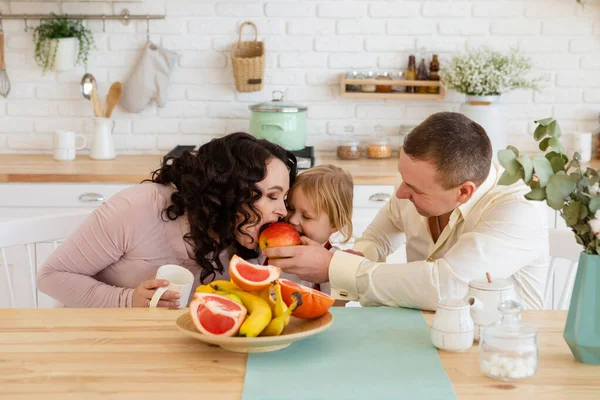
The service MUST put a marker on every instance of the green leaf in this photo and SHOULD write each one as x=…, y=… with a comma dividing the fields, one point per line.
x=558, y=164
x=559, y=187
x=508, y=178
x=595, y=205
x=540, y=132
x=525, y=162
x=544, y=122
x=513, y=149
x=554, y=129
x=583, y=213
x=554, y=154
x=583, y=229
x=538, y=194
x=544, y=144
x=543, y=170
x=589, y=172
x=556, y=145
x=594, y=180
x=571, y=213
x=508, y=160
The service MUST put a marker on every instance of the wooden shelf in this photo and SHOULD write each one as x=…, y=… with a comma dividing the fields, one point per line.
x=390, y=95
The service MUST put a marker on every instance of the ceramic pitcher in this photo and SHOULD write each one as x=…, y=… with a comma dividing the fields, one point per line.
x=489, y=295
x=452, y=327
x=103, y=147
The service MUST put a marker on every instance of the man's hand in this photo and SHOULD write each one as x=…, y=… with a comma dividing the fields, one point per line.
x=310, y=262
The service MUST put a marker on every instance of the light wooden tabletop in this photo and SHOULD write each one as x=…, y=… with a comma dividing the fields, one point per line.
x=139, y=354
x=135, y=168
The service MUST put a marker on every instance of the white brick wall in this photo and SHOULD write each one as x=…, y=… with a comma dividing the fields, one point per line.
x=309, y=43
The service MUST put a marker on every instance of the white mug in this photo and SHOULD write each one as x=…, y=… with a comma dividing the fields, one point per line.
x=581, y=142
x=64, y=145
x=103, y=147
x=180, y=280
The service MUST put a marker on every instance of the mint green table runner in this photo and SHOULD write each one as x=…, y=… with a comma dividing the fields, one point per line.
x=369, y=353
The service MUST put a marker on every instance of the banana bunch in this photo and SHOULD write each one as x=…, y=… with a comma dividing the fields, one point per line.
x=266, y=316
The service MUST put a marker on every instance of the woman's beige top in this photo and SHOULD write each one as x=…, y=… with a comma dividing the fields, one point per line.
x=120, y=245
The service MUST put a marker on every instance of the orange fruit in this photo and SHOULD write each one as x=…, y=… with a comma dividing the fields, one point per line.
x=216, y=315
x=251, y=277
x=314, y=303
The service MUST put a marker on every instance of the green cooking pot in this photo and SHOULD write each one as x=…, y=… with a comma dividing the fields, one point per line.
x=279, y=122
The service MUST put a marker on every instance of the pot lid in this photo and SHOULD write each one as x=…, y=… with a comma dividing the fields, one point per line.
x=497, y=284
x=278, y=105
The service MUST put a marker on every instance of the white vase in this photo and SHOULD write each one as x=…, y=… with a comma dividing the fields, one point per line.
x=66, y=54
x=486, y=111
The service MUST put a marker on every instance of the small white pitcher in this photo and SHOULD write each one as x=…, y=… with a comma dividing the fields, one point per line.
x=452, y=327
x=103, y=147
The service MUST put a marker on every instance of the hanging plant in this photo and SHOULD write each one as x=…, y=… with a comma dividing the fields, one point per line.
x=46, y=36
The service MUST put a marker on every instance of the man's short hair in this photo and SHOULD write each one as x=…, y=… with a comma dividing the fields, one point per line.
x=458, y=146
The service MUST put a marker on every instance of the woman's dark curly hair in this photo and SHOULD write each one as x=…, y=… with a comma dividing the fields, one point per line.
x=214, y=187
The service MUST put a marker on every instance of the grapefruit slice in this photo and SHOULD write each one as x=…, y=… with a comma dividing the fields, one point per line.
x=216, y=315
x=251, y=277
x=314, y=303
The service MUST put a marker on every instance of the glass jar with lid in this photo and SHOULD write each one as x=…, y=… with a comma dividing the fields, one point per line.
x=508, y=349
x=379, y=148
x=349, y=149
x=369, y=87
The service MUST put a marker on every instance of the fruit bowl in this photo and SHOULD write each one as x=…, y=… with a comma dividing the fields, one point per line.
x=297, y=329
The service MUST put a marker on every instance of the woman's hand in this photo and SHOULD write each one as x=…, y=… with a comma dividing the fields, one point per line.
x=144, y=292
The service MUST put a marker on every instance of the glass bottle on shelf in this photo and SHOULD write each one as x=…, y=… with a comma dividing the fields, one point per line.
x=351, y=87
x=369, y=87
x=434, y=67
x=384, y=88
x=422, y=76
x=411, y=73
x=399, y=76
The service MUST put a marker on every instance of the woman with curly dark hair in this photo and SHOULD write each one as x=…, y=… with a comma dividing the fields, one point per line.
x=196, y=211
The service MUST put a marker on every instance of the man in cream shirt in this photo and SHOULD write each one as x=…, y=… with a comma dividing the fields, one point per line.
x=459, y=224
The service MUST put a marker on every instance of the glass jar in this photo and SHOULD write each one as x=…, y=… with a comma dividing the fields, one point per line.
x=351, y=87
x=379, y=148
x=349, y=149
x=508, y=349
x=369, y=88
x=384, y=88
x=399, y=76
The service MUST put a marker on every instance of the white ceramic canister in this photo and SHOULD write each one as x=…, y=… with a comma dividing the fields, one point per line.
x=452, y=327
x=489, y=294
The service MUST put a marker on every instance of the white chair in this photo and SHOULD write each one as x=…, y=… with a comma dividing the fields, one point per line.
x=29, y=235
x=562, y=246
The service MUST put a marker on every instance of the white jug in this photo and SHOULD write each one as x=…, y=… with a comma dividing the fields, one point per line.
x=452, y=328
x=489, y=294
x=103, y=147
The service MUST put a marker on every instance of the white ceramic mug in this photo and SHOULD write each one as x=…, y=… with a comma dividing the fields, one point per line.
x=64, y=145
x=103, y=147
x=180, y=280
x=452, y=327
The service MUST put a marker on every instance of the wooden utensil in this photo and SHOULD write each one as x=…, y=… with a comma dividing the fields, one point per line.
x=96, y=103
x=4, y=81
x=112, y=99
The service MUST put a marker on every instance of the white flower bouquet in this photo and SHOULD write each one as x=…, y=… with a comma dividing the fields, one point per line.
x=486, y=72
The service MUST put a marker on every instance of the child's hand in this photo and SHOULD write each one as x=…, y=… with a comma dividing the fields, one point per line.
x=308, y=242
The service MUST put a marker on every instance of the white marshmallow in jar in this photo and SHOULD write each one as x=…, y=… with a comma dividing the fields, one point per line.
x=508, y=349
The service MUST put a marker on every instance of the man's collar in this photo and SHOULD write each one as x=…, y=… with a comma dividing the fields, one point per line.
x=485, y=187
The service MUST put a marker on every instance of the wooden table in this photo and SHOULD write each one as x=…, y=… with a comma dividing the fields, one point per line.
x=138, y=354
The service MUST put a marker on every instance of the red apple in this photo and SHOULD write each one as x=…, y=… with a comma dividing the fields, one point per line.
x=279, y=234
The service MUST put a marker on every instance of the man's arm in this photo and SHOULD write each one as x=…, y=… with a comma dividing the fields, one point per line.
x=506, y=238
x=384, y=234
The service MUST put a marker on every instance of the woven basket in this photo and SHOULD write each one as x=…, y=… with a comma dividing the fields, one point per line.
x=248, y=60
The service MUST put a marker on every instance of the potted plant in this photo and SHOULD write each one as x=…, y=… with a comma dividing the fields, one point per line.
x=566, y=187
x=483, y=75
x=61, y=43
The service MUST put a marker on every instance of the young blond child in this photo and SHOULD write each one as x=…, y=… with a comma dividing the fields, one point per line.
x=320, y=205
